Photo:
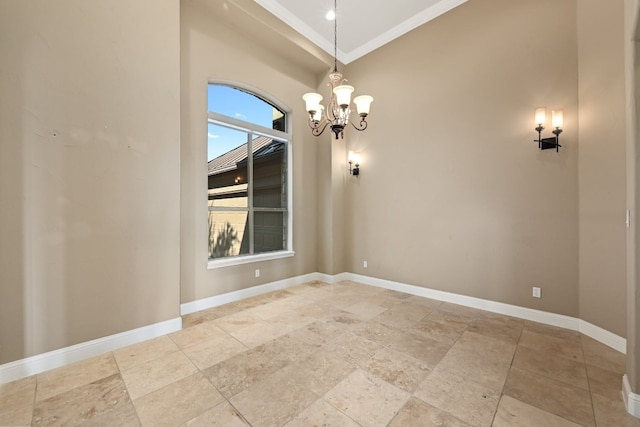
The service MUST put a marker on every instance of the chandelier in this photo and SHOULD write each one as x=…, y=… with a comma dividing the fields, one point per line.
x=339, y=107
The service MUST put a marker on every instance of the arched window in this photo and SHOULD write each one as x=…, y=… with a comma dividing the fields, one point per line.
x=249, y=185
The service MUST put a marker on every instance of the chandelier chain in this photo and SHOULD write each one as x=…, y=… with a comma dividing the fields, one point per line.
x=335, y=36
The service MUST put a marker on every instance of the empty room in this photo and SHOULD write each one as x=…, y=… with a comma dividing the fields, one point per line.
x=330, y=213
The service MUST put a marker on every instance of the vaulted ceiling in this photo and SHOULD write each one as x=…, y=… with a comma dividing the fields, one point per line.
x=363, y=25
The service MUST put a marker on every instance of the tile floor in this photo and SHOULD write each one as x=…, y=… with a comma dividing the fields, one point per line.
x=335, y=355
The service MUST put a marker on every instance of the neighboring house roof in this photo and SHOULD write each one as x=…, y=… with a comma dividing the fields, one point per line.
x=229, y=160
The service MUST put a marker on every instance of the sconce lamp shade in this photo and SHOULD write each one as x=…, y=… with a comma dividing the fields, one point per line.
x=343, y=95
x=541, y=116
x=557, y=118
x=363, y=103
x=354, y=157
x=312, y=101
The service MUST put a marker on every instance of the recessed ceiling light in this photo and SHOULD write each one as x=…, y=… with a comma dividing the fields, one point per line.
x=331, y=15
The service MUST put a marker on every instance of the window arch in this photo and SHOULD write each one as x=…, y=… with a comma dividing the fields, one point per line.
x=248, y=177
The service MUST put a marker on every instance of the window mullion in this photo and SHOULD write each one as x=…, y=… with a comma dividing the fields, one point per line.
x=250, y=191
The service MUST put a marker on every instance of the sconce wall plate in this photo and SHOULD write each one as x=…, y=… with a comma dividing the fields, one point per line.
x=354, y=158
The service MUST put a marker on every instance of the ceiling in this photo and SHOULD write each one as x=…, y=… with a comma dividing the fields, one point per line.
x=363, y=25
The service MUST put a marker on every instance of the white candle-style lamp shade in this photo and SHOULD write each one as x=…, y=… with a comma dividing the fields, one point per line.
x=343, y=95
x=541, y=116
x=317, y=116
x=312, y=101
x=557, y=118
x=363, y=104
x=354, y=157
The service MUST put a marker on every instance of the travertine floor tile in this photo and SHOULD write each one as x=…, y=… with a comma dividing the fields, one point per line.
x=426, y=349
x=552, y=345
x=259, y=333
x=82, y=403
x=177, y=402
x=213, y=351
x=365, y=310
x=319, y=372
x=465, y=399
x=612, y=413
x=236, y=321
x=136, y=354
x=438, y=331
x=381, y=300
x=426, y=302
x=558, y=368
x=395, y=294
x=68, y=377
x=344, y=355
x=124, y=415
x=513, y=413
x=367, y=399
x=501, y=327
x=477, y=365
x=223, y=415
x=196, y=334
x=322, y=414
x=461, y=310
x=604, y=383
x=352, y=348
x=207, y=315
x=568, y=402
x=239, y=372
x=398, y=369
x=500, y=350
x=452, y=319
x=288, y=348
x=157, y=373
x=402, y=315
x=563, y=334
x=16, y=402
x=417, y=413
x=598, y=354
x=274, y=401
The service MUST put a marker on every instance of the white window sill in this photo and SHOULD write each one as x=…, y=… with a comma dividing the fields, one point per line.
x=247, y=259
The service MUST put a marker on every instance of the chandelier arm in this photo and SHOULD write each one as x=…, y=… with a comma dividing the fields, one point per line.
x=317, y=130
x=362, y=126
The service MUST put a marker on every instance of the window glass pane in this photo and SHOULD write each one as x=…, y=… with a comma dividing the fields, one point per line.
x=228, y=233
x=269, y=173
x=245, y=106
x=227, y=168
x=270, y=231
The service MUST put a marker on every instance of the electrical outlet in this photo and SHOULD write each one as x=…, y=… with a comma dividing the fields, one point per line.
x=257, y=272
x=536, y=292
x=364, y=264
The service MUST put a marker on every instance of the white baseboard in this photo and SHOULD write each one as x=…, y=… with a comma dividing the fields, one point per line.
x=42, y=362
x=610, y=339
x=54, y=359
x=631, y=400
x=215, y=301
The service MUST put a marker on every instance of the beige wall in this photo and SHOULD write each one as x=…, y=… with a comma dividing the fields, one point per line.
x=602, y=172
x=89, y=170
x=632, y=87
x=454, y=194
x=211, y=50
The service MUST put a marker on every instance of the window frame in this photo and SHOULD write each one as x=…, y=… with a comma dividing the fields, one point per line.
x=257, y=130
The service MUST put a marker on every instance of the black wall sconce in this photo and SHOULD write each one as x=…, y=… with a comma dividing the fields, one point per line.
x=354, y=158
x=557, y=119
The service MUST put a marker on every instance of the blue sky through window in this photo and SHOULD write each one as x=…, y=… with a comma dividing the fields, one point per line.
x=239, y=105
